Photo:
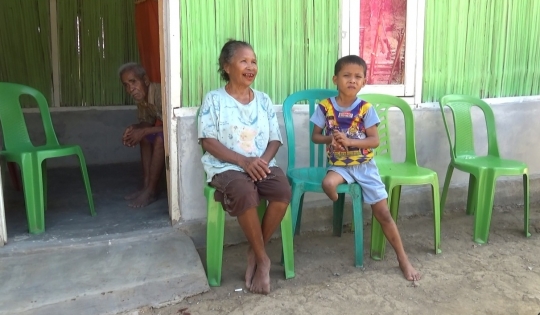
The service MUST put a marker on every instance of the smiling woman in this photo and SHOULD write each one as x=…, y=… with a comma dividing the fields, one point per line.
x=239, y=131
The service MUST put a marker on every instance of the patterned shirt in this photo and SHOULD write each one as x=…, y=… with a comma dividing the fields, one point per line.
x=353, y=121
x=150, y=111
x=246, y=129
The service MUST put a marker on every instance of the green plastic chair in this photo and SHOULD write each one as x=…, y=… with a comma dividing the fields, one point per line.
x=483, y=170
x=394, y=175
x=309, y=179
x=32, y=159
x=215, y=224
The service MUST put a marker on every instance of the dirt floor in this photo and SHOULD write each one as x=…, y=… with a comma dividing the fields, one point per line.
x=501, y=277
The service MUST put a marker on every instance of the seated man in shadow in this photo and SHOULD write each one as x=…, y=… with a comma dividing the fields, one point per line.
x=148, y=133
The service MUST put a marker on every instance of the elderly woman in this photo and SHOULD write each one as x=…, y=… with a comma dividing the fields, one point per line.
x=239, y=131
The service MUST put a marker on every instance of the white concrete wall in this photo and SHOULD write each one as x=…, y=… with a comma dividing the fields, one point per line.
x=98, y=130
x=516, y=129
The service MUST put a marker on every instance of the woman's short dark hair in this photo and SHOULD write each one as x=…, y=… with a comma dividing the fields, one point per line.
x=134, y=67
x=227, y=52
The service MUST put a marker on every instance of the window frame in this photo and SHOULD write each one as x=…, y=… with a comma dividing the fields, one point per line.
x=414, y=42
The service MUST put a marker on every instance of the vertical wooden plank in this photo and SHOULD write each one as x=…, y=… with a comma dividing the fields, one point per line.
x=55, y=54
x=169, y=39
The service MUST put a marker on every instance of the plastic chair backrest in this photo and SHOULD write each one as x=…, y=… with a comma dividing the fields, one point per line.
x=382, y=103
x=14, y=128
x=460, y=106
x=312, y=96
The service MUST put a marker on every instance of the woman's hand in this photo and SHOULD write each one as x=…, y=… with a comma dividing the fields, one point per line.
x=256, y=167
x=133, y=136
x=124, y=136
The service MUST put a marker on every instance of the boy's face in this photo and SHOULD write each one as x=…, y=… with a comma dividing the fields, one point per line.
x=350, y=79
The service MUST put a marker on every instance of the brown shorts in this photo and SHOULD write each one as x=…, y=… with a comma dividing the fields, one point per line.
x=237, y=192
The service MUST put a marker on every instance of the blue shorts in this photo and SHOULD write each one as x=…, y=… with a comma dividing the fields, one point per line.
x=367, y=175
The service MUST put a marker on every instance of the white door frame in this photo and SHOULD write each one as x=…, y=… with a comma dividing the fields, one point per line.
x=3, y=230
x=169, y=42
x=414, y=43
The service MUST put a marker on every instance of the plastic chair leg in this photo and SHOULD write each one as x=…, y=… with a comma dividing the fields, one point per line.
x=214, y=241
x=296, y=206
x=87, y=186
x=33, y=194
x=14, y=174
x=45, y=183
x=287, y=242
x=261, y=210
x=471, y=195
x=394, y=204
x=339, y=206
x=526, y=204
x=447, y=179
x=436, y=215
x=358, y=219
x=484, y=207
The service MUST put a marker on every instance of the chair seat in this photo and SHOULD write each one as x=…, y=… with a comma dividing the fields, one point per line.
x=42, y=150
x=311, y=178
x=501, y=166
x=406, y=172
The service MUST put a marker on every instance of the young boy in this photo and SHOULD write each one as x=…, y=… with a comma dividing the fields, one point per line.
x=348, y=126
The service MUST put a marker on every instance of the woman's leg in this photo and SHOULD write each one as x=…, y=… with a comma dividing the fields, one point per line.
x=259, y=269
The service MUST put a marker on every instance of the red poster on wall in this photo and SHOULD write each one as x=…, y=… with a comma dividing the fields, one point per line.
x=382, y=39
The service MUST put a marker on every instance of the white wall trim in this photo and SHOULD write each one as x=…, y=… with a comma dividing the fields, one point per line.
x=419, y=64
x=172, y=83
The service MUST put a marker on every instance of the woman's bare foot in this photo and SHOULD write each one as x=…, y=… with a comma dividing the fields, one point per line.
x=145, y=198
x=133, y=195
x=261, y=280
x=408, y=271
x=251, y=266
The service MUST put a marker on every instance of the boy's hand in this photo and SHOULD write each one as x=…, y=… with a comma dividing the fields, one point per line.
x=340, y=138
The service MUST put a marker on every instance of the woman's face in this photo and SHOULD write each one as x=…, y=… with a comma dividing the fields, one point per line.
x=135, y=86
x=242, y=68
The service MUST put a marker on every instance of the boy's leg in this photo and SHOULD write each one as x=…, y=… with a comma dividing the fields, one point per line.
x=330, y=183
x=153, y=166
x=390, y=230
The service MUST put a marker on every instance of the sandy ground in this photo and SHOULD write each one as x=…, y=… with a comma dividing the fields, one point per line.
x=501, y=277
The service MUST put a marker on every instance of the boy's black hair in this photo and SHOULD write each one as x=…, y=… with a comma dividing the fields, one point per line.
x=354, y=59
x=227, y=52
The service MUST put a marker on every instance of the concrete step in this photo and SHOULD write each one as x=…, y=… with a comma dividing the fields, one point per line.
x=105, y=276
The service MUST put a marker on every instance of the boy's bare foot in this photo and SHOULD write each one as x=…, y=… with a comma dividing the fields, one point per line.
x=409, y=272
x=251, y=266
x=261, y=279
x=144, y=199
x=133, y=195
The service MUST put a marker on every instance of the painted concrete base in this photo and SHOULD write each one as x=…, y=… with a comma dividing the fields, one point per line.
x=103, y=277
